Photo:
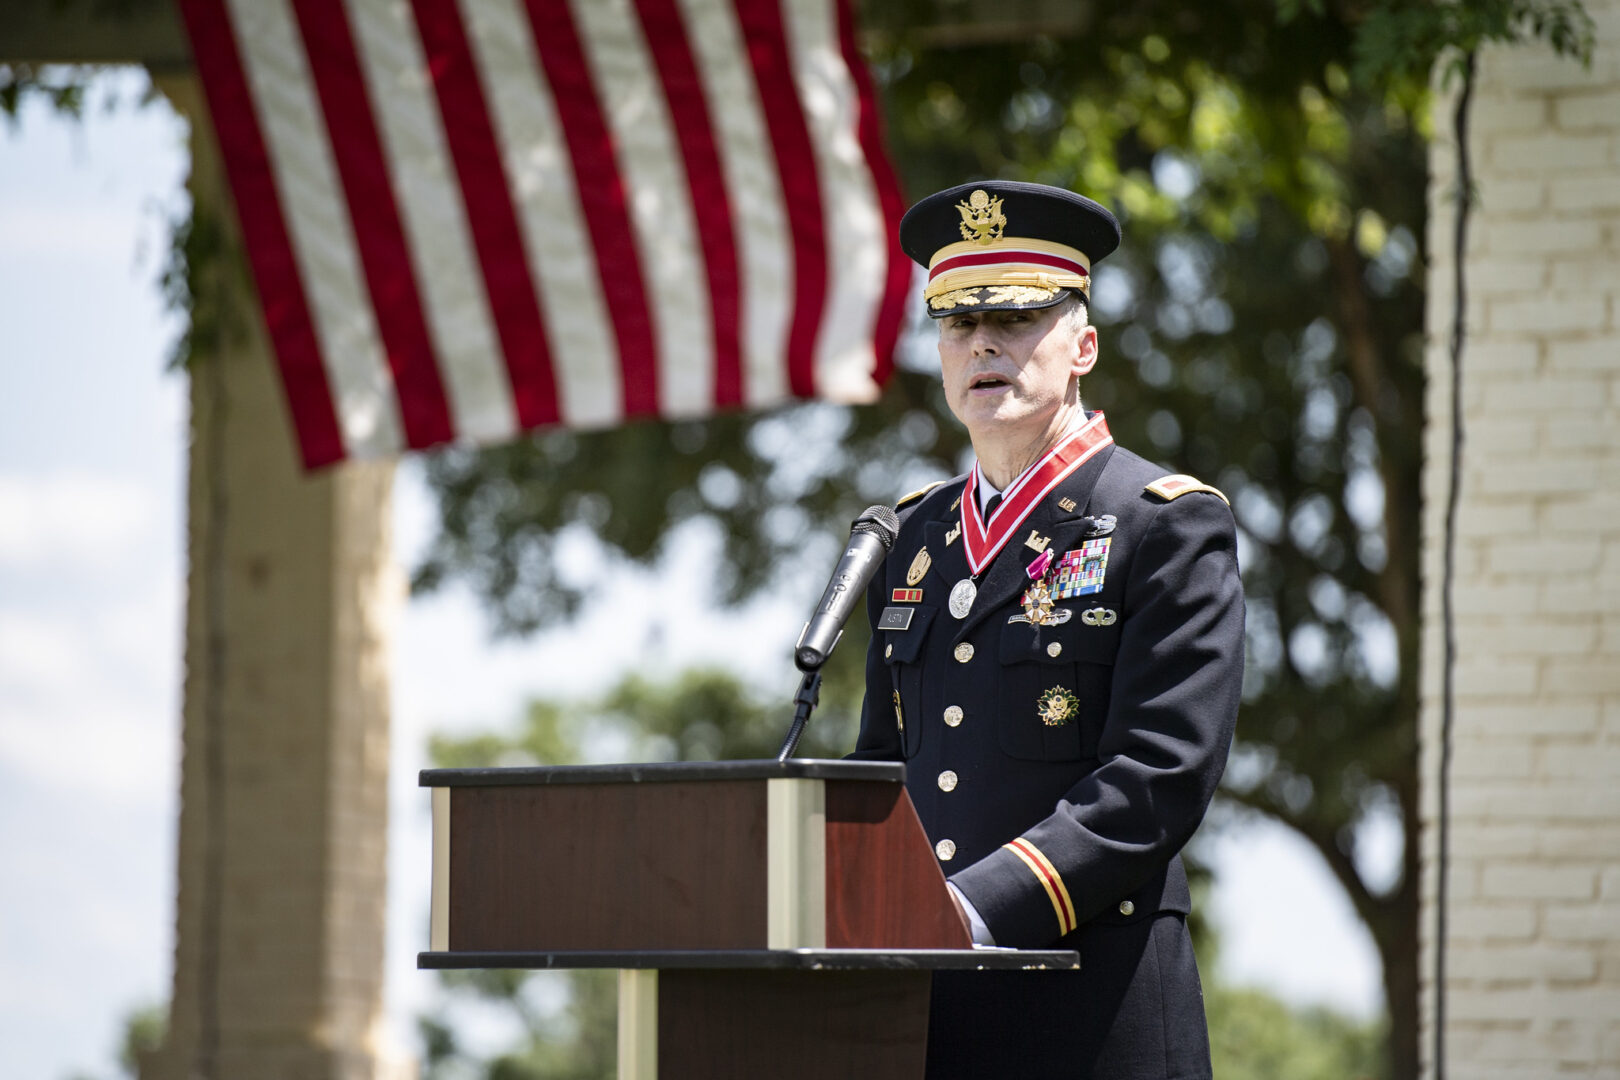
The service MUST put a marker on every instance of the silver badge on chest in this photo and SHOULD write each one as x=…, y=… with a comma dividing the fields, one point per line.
x=963, y=594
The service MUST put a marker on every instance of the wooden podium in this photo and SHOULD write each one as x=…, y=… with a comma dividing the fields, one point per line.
x=767, y=918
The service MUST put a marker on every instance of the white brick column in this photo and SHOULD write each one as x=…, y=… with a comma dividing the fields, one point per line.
x=1532, y=923
x=283, y=820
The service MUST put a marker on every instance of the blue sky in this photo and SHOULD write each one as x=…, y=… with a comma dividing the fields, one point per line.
x=92, y=562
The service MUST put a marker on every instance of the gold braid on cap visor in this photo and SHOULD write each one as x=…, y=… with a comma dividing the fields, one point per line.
x=1017, y=280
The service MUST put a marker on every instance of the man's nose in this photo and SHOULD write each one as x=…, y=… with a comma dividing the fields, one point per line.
x=984, y=341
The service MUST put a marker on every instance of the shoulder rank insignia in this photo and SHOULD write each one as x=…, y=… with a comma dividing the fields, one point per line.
x=919, y=493
x=1174, y=487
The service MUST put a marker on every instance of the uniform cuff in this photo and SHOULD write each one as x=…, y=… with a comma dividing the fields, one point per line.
x=1023, y=900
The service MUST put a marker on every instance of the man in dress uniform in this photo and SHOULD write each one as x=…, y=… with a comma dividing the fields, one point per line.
x=1057, y=656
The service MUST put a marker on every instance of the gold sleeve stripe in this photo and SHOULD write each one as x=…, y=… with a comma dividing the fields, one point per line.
x=919, y=493
x=1174, y=487
x=1050, y=880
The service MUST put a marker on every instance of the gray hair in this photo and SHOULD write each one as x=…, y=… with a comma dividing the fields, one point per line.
x=1075, y=311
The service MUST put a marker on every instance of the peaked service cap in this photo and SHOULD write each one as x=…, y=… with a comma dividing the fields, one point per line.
x=1000, y=244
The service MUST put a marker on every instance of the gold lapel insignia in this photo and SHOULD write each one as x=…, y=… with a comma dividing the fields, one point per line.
x=950, y=537
x=1036, y=541
x=982, y=219
x=1067, y=504
x=919, y=566
x=1057, y=706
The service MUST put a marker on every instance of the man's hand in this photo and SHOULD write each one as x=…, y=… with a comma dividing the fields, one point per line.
x=956, y=902
x=978, y=933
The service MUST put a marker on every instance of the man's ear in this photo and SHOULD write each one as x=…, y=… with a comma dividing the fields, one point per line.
x=1085, y=357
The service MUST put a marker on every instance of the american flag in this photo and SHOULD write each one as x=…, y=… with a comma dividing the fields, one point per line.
x=471, y=218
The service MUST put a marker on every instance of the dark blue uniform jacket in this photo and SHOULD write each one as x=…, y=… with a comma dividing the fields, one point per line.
x=1102, y=801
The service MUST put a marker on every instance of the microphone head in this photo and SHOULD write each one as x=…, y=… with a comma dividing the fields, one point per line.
x=881, y=521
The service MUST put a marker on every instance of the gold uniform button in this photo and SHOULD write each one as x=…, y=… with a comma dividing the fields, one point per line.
x=888, y=651
x=953, y=716
x=1054, y=648
x=964, y=652
x=946, y=850
x=947, y=781
x=1126, y=907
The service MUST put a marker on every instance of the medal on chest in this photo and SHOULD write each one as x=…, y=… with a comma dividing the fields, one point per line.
x=963, y=593
x=984, y=538
x=1038, y=598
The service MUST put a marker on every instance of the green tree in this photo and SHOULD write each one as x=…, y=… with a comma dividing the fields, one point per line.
x=144, y=1028
x=1262, y=328
x=1255, y=1036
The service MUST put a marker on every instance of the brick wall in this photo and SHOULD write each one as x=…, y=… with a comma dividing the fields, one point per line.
x=282, y=860
x=1532, y=926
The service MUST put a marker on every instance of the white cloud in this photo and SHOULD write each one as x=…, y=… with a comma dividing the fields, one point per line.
x=99, y=742
x=89, y=698
x=62, y=518
x=36, y=231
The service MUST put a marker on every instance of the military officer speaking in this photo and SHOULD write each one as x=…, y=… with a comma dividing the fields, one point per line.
x=1057, y=655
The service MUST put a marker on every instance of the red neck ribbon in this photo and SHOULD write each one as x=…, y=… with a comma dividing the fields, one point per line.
x=984, y=541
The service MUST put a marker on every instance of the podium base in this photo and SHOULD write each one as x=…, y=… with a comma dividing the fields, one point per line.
x=783, y=1024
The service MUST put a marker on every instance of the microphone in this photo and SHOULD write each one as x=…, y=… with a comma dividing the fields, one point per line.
x=869, y=541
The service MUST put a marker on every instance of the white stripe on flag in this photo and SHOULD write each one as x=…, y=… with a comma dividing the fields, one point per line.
x=318, y=221
x=856, y=247
x=649, y=160
x=764, y=248
x=433, y=216
x=540, y=176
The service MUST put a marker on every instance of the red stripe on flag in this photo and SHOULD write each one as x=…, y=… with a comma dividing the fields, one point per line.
x=886, y=330
x=264, y=232
x=706, y=185
x=602, y=198
x=765, y=39
x=384, y=256
x=492, y=218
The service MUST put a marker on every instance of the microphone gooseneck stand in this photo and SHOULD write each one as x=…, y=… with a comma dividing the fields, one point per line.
x=805, y=700
x=870, y=538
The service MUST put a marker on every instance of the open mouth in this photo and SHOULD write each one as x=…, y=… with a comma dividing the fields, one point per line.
x=987, y=381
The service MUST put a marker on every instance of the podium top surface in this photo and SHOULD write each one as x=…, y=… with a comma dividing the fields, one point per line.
x=667, y=772
x=765, y=959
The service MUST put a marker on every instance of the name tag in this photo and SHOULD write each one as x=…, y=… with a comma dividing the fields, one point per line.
x=896, y=618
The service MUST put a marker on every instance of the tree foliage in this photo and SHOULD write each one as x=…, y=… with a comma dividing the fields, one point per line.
x=144, y=1028
x=1262, y=328
x=1255, y=1036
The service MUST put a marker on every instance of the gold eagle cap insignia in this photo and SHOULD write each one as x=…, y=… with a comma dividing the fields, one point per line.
x=982, y=219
